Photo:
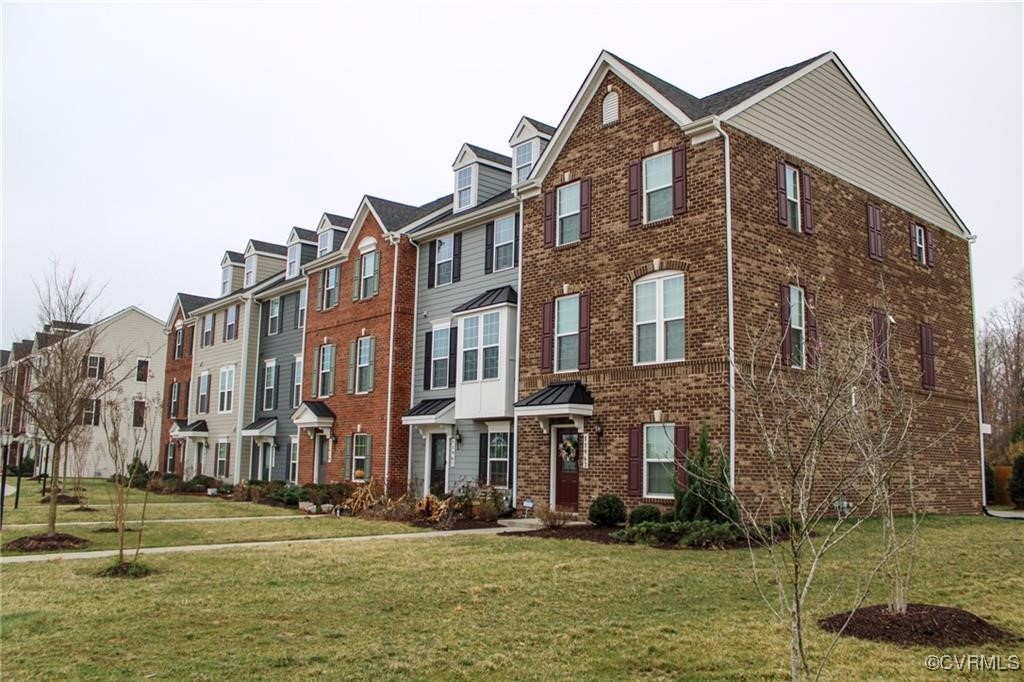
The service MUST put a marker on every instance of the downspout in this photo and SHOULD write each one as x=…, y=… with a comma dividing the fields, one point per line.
x=412, y=361
x=717, y=123
x=519, y=332
x=241, y=390
x=395, y=242
x=971, y=239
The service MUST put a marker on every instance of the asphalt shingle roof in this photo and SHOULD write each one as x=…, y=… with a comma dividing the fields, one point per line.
x=561, y=393
x=318, y=408
x=505, y=294
x=190, y=302
x=338, y=221
x=431, y=406
x=235, y=257
x=488, y=155
x=542, y=127
x=260, y=423
x=304, y=234
x=482, y=206
x=267, y=247
x=397, y=215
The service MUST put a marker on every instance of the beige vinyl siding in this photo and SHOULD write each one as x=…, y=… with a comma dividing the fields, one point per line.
x=268, y=266
x=821, y=118
x=491, y=182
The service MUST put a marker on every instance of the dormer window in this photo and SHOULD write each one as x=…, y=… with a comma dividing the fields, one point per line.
x=323, y=244
x=464, y=187
x=250, y=271
x=293, y=260
x=225, y=280
x=524, y=161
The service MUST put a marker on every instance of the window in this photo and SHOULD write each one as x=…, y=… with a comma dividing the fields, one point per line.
x=225, y=280
x=330, y=276
x=326, y=380
x=173, y=405
x=524, y=161
x=610, y=108
x=360, y=456
x=179, y=343
x=300, y=313
x=226, y=389
x=470, y=348
x=793, y=197
x=443, y=267
x=504, y=242
x=658, y=319
x=796, y=328
x=222, y=460
x=274, y=320
x=142, y=370
x=658, y=187
x=138, y=413
x=323, y=244
x=269, y=385
x=231, y=323
x=91, y=412
x=207, y=330
x=920, y=245
x=497, y=459
x=492, y=335
x=659, y=459
x=473, y=347
x=170, y=458
x=297, y=382
x=293, y=259
x=364, y=364
x=250, y=271
x=293, y=460
x=567, y=333
x=93, y=367
x=569, y=213
x=439, y=358
x=203, y=399
x=464, y=187
x=368, y=285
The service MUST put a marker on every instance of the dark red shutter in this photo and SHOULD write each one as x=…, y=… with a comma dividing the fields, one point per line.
x=780, y=181
x=515, y=244
x=549, y=219
x=927, y=357
x=787, y=341
x=811, y=327
x=682, y=437
x=547, y=336
x=584, y=331
x=453, y=346
x=679, y=181
x=806, y=201
x=876, y=241
x=585, y=208
x=880, y=332
x=428, y=350
x=929, y=248
x=457, y=257
x=635, y=185
x=489, y=248
x=188, y=387
x=190, y=338
x=634, y=486
x=913, y=241
x=431, y=263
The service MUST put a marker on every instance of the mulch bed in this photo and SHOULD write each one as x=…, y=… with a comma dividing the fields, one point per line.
x=113, y=529
x=83, y=509
x=61, y=499
x=126, y=570
x=580, y=532
x=45, y=543
x=923, y=624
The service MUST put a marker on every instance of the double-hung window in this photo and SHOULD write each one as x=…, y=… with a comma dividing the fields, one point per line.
x=464, y=187
x=142, y=370
x=497, y=459
x=524, y=161
x=325, y=385
x=368, y=274
x=659, y=459
x=170, y=458
x=172, y=410
x=330, y=276
x=203, y=399
x=323, y=244
x=138, y=413
x=443, y=267
x=659, y=326
x=274, y=320
x=569, y=213
x=481, y=340
x=491, y=339
x=231, y=323
x=360, y=456
x=567, y=333
x=658, y=187
x=920, y=245
x=796, y=328
x=293, y=459
x=293, y=260
x=470, y=349
x=179, y=343
x=250, y=271
x=91, y=412
x=207, y=329
x=92, y=368
x=226, y=394
x=222, y=459
x=504, y=242
x=225, y=280
x=793, y=197
x=364, y=364
x=300, y=314
x=297, y=382
x=439, y=358
x=269, y=385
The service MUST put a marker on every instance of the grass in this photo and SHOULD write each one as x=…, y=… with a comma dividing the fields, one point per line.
x=476, y=607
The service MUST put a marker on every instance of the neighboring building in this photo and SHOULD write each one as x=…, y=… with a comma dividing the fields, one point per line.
x=180, y=332
x=464, y=369
x=13, y=379
x=653, y=243
x=358, y=348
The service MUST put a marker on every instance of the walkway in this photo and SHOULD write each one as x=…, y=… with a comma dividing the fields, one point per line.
x=61, y=524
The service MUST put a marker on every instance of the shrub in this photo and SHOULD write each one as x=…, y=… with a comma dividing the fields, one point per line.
x=669, y=515
x=701, y=534
x=645, y=512
x=551, y=518
x=225, y=489
x=27, y=465
x=154, y=485
x=138, y=474
x=607, y=511
x=1015, y=486
x=709, y=534
x=990, y=483
x=707, y=495
x=288, y=494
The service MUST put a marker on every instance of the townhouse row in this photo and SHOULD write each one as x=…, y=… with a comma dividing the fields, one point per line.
x=563, y=322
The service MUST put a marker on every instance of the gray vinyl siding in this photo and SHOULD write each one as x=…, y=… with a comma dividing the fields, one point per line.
x=822, y=119
x=467, y=457
x=491, y=181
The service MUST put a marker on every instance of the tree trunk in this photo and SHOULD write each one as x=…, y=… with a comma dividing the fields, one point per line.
x=794, y=645
x=51, y=520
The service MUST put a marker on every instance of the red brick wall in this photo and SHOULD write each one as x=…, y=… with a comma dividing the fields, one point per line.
x=179, y=369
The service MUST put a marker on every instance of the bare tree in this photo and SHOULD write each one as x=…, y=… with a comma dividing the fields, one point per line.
x=1001, y=359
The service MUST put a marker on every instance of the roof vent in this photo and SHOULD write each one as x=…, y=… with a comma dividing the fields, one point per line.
x=610, y=108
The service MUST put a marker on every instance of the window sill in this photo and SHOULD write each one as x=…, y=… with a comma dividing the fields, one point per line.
x=647, y=499
x=658, y=363
x=568, y=244
x=658, y=222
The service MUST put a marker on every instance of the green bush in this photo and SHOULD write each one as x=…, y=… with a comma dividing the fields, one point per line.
x=990, y=483
x=607, y=511
x=27, y=465
x=709, y=534
x=707, y=495
x=701, y=534
x=1015, y=486
x=288, y=495
x=227, y=489
x=138, y=474
x=645, y=512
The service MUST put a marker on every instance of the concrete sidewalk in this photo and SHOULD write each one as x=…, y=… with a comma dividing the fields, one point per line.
x=106, y=553
x=61, y=524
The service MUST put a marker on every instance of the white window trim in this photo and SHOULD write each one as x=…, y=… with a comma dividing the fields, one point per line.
x=647, y=190
x=559, y=215
x=225, y=280
x=293, y=460
x=517, y=165
x=135, y=402
x=359, y=387
x=295, y=396
x=921, y=245
x=464, y=349
x=250, y=271
x=175, y=398
x=231, y=328
x=438, y=331
x=557, y=335
x=329, y=286
x=492, y=458
x=169, y=457
x=450, y=240
x=366, y=274
x=672, y=459
x=217, y=458
x=608, y=114
x=660, y=320
x=302, y=303
x=137, y=361
x=91, y=372
x=471, y=186
x=292, y=268
x=355, y=441
x=202, y=394
x=269, y=388
x=179, y=343
x=323, y=369
x=794, y=173
x=226, y=390
x=484, y=346
x=208, y=327
x=802, y=329
x=511, y=240
x=274, y=317
x=323, y=243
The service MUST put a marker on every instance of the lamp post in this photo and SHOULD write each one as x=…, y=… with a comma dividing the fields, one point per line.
x=5, y=441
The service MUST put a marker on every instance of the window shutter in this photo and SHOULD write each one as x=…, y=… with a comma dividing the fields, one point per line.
x=431, y=262
x=787, y=341
x=634, y=486
x=634, y=181
x=96, y=412
x=224, y=327
x=927, y=358
x=929, y=248
x=811, y=328
x=347, y=471
x=103, y=366
x=457, y=257
x=876, y=242
x=227, y=460
x=880, y=333
x=188, y=388
x=547, y=336
x=806, y=201
x=481, y=476
x=913, y=241
x=291, y=387
x=352, y=349
x=780, y=184
x=373, y=359
x=489, y=248
x=679, y=181
x=584, y=331
x=549, y=219
x=85, y=365
x=511, y=459
x=453, y=343
x=318, y=304
x=273, y=402
x=515, y=243
x=375, y=282
x=357, y=270
x=428, y=350
x=585, y=188
x=682, y=442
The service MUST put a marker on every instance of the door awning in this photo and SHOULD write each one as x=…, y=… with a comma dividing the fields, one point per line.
x=182, y=429
x=432, y=411
x=313, y=414
x=265, y=427
x=565, y=399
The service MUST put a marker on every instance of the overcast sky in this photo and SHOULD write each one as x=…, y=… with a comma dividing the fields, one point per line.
x=140, y=141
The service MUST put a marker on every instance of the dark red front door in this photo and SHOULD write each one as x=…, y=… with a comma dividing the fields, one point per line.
x=567, y=475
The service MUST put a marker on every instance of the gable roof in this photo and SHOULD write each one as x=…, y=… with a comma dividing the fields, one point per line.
x=488, y=155
x=395, y=215
x=541, y=127
x=482, y=208
x=234, y=257
x=561, y=393
x=266, y=247
x=190, y=302
x=337, y=220
x=304, y=234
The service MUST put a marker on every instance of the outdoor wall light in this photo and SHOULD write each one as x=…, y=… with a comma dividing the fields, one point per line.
x=458, y=437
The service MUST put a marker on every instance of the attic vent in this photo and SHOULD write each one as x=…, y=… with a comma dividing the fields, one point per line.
x=610, y=108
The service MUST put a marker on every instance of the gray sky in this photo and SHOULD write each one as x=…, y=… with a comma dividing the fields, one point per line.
x=140, y=141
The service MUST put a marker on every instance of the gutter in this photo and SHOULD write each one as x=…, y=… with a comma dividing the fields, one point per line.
x=242, y=385
x=519, y=332
x=395, y=242
x=412, y=360
x=971, y=239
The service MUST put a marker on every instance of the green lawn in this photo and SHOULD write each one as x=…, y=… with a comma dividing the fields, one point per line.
x=474, y=608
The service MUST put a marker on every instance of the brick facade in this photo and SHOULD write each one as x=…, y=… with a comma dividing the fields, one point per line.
x=180, y=370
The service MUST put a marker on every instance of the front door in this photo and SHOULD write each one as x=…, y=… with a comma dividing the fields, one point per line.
x=567, y=475
x=265, y=468
x=321, y=459
x=199, y=459
x=438, y=449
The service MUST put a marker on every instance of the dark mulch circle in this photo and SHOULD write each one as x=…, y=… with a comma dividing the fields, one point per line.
x=112, y=529
x=457, y=524
x=61, y=499
x=83, y=509
x=45, y=543
x=577, y=532
x=923, y=624
x=129, y=569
